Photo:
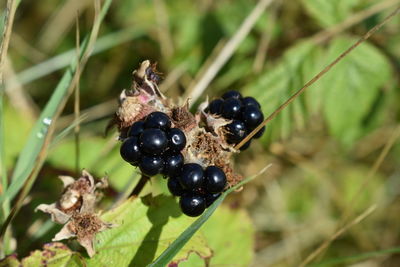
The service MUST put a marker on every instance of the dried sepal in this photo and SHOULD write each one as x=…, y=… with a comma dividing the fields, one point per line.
x=83, y=226
x=76, y=210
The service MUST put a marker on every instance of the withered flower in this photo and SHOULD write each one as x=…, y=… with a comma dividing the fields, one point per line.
x=76, y=210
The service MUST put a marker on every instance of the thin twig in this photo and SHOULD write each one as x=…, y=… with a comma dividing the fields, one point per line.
x=8, y=24
x=385, y=151
x=77, y=102
x=337, y=234
x=228, y=50
x=265, y=40
x=317, y=77
x=164, y=33
x=43, y=152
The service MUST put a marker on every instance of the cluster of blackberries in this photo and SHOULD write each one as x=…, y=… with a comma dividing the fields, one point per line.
x=245, y=113
x=154, y=146
x=197, y=188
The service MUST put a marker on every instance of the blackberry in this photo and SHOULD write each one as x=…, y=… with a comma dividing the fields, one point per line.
x=214, y=179
x=173, y=165
x=232, y=94
x=153, y=141
x=244, y=111
x=192, y=176
x=151, y=165
x=210, y=198
x=215, y=106
x=130, y=151
x=259, y=133
x=236, y=131
x=250, y=101
x=136, y=129
x=231, y=108
x=192, y=204
x=175, y=187
x=177, y=139
x=154, y=146
x=157, y=120
x=252, y=116
x=246, y=145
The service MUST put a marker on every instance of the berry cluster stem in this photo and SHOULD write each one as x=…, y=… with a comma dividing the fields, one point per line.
x=139, y=186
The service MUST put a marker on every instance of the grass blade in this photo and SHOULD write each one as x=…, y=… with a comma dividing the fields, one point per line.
x=36, y=139
x=62, y=60
x=178, y=243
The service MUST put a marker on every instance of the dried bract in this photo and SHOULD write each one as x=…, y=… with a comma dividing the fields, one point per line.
x=76, y=210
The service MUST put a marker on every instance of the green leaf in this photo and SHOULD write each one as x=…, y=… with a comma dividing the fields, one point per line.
x=146, y=227
x=178, y=243
x=53, y=254
x=351, y=87
x=235, y=249
x=328, y=13
x=280, y=81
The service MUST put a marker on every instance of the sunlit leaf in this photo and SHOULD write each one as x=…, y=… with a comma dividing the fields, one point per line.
x=351, y=87
x=147, y=226
x=328, y=13
x=234, y=249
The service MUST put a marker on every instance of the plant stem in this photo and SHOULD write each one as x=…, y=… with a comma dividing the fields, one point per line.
x=139, y=186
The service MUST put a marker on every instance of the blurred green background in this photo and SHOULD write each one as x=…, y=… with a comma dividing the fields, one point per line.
x=324, y=148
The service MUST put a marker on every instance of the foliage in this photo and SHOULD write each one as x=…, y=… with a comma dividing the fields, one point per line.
x=323, y=146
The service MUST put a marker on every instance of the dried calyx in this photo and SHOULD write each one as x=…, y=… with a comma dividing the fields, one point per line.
x=76, y=210
x=205, y=133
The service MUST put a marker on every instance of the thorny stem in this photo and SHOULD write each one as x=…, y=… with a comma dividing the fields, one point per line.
x=139, y=186
x=317, y=77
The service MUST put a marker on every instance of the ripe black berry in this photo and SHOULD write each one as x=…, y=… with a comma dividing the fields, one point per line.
x=236, y=131
x=232, y=94
x=210, y=198
x=259, y=133
x=150, y=165
x=215, y=106
x=173, y=164
x=252, y=116
x=153, y=141
x=136, y=129
x=192, y=176
x=192, y=204
x=214, y=179
x=177, y=139
x=250, y=101
x=231, y=108
x=175, y=187
x=157, y=120
x=245, y=146
x=130, y=151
